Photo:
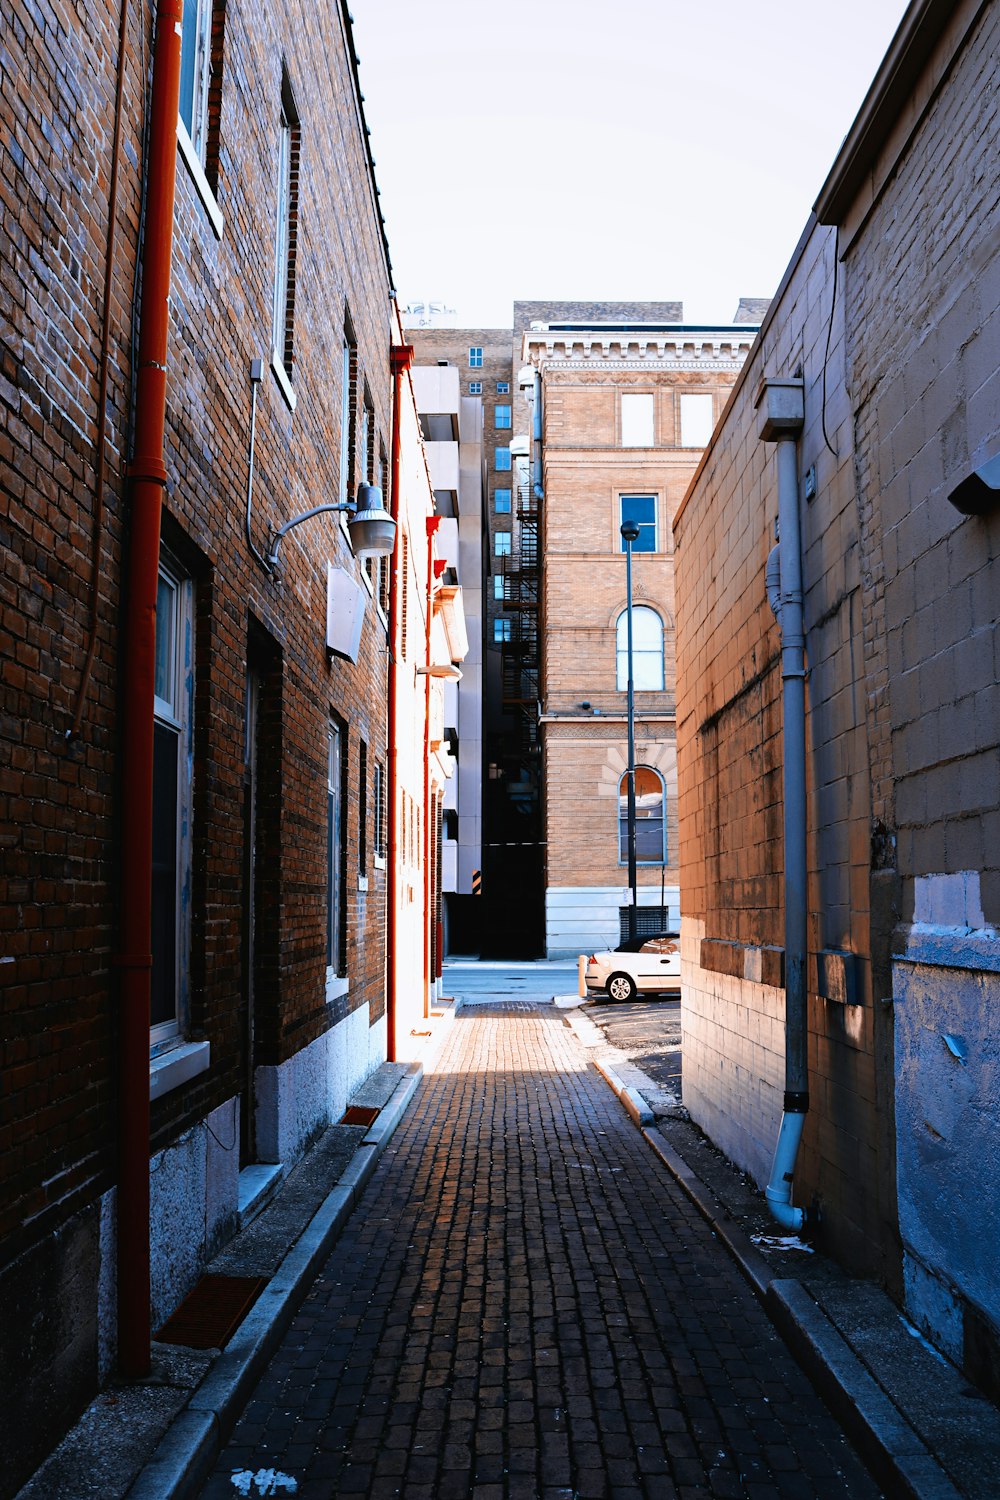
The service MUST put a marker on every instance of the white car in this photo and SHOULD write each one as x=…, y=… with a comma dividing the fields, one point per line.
x=651, y=965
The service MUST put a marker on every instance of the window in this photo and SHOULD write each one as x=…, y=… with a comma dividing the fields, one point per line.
x=378, y=797
x=503, y=387
x=349, y=379
x=647, y=650
x=650, y=844
x=637, y=421
x=501, y=543
x=696, y=419
x=334, y=854
x=498, y=585
x=501, y=501
x=286, y=240
x=172, y=754
x=502, y=415
x=475, y=357
x=501, y=629
x=502, y=461
x=642, y=510
x=363, y=809
x=198, y=100
x=475, y=387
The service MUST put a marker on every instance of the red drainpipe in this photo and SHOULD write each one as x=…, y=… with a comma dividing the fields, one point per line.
x=400, y=357
x=147, y=480
x=433, y=522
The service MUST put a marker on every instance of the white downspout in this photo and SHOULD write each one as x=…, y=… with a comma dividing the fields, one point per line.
x=780, y=409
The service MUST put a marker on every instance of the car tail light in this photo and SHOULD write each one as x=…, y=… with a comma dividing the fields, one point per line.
x=592, y=959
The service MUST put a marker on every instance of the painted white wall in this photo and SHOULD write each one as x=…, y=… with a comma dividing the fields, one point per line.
x=300, y=1097
x=579, y=919
x=946, y=991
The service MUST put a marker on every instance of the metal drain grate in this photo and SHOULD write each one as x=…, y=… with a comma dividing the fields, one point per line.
x=359, y=1114
x=209, y=1316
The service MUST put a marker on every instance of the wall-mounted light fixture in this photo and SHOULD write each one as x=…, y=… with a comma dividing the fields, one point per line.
x=371, y=528
x=979, y=492
x=445, y=670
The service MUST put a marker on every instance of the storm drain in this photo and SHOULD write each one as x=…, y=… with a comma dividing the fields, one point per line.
x=359, y=1114
x=210, y=1315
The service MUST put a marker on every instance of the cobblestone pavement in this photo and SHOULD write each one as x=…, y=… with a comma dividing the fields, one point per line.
x=524, y=1305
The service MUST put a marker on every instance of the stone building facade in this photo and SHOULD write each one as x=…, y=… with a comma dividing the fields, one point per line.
x=629, y=395
x=269, y=885
x=887, y=323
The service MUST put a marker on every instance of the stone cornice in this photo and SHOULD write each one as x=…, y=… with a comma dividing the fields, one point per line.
x=687, y=350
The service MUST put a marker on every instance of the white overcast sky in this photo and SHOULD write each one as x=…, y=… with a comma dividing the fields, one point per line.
x=620, y=149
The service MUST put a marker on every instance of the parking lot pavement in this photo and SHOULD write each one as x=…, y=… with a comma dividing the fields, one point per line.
x=524, y=1304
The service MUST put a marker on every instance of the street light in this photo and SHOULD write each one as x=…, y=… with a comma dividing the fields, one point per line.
x=630, y=534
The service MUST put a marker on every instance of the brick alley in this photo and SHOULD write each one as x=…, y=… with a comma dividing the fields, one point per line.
x=526, y=1305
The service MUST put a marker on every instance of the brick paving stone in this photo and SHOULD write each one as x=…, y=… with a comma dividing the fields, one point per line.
x=524, y=1306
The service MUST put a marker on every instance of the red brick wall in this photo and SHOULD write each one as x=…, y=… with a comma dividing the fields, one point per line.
x=59, y=812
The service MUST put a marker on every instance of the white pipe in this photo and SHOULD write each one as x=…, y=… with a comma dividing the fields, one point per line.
x=781, y=424
x=779, y=1189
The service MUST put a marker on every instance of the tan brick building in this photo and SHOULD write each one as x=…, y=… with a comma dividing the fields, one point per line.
x=629, y=395
x=886, y=333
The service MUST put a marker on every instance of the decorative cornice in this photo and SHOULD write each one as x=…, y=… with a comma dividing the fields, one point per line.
x=681, y=352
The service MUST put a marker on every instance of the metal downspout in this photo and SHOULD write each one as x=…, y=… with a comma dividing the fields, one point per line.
x=780, y=404
x=147, y=481
x=400, y=357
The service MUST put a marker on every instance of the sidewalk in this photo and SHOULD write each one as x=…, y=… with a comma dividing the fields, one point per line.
x=924, y=1432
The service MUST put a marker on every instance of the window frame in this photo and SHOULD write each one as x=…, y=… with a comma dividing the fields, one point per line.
x=174, y=715
x=475, y=387
x=475, y=357
x=336, y=741
x=501, y=460
x=502, y=416
x=502, y=542
x=645, y=654
x=648, y=428
x=503, y=387
x=623, y=819
x=503, y=507
x=644, y=526
x=286, y=244
x=502, y=629
x=702, y=397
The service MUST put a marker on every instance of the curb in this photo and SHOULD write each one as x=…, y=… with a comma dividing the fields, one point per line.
x=184, y=1456
x=897, y=1457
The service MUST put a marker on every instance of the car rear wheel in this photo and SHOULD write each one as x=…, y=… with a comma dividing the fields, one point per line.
x=622, y=987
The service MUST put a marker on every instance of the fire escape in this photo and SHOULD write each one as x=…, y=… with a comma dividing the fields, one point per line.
x=519, y=649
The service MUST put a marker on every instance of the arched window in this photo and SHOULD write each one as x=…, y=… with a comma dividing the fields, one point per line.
x=650, y=822
x=647, y=650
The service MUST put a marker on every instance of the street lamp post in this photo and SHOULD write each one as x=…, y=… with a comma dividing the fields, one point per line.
x=630, y=533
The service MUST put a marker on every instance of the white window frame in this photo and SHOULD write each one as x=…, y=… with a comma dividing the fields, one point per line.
x=502, y=542
x=475, y=387
x=173, y=705
x=335, y=873
x=475, y=357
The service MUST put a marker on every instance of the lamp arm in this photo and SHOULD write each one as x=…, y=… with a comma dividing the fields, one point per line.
x=307, y=515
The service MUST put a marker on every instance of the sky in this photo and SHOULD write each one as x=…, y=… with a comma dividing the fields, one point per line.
x=607, y=149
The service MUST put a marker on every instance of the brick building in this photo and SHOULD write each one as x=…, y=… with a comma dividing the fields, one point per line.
x=629, y=394
x=268, y=709
x=883, y=345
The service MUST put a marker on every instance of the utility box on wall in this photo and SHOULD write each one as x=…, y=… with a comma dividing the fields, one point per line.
x=345, y=613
